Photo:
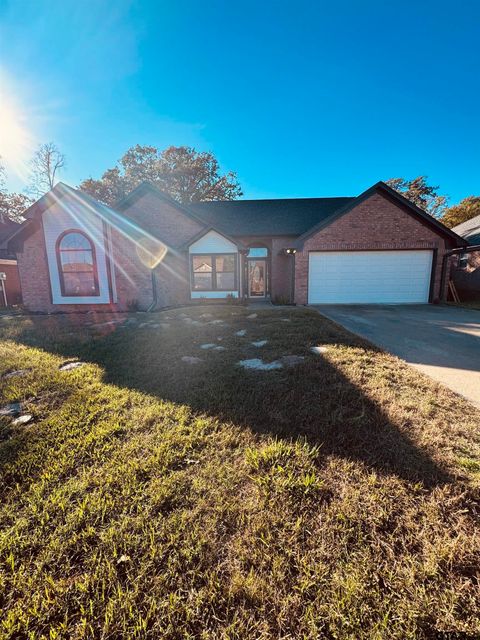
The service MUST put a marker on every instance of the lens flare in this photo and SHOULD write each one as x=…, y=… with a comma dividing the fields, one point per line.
x=151, y=252
x=17, y=143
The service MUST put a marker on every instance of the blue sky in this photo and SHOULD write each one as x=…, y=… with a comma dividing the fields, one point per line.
x=299, y=98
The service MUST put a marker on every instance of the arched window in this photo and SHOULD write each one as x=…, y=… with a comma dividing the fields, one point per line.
x=77, y=265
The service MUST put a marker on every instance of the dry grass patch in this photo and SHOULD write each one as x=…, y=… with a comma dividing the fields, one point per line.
x=338, y=498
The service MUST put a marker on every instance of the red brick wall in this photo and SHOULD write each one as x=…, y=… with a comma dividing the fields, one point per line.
x=375, y=223
x=174, y=228
x=163, y=220
x=282, y=270
x=132, y=277
x=33, y=271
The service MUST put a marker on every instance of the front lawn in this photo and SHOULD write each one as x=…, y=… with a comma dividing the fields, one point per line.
x=150, y=497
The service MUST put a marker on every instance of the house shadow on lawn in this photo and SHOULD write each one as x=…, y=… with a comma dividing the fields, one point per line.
x=313, y=400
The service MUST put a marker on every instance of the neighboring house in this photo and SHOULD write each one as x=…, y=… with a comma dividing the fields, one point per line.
x=10, y=291
x=466, y=272
x=150, y=251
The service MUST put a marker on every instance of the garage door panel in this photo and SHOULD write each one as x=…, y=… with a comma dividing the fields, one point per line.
x=369, y=276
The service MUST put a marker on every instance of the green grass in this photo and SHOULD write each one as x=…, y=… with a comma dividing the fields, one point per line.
x=149, y=498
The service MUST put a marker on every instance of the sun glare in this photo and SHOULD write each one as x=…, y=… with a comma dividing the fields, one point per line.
x=17, y=142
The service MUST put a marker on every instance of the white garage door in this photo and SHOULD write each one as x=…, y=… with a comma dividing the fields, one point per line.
x=388, y=277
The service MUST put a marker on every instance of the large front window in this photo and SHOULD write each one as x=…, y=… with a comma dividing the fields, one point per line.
x=77, y=265
x=214, y=272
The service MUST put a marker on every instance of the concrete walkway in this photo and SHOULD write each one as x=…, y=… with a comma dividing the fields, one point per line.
x=441, y=341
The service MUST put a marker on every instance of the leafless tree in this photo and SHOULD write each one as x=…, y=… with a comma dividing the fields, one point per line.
x=46, y=164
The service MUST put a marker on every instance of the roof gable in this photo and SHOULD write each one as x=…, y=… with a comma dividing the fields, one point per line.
x=392, y=194
x=74, y=200
x=209, y=230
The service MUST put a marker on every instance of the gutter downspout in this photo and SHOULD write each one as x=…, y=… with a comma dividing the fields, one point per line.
x=154, y=293
x=449, y=254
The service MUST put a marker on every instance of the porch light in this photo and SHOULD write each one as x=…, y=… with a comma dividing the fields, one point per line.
x=290, y=251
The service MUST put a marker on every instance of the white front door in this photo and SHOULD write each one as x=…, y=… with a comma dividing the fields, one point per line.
x=369, y=277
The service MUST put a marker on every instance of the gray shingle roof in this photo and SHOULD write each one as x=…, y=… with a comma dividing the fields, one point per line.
x=6, y=229
x=470, y=230
x=287, y=217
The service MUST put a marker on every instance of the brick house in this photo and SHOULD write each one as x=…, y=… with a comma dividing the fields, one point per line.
x=466, y=270
x=149, y=251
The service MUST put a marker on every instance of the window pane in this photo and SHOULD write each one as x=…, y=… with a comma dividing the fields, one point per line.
x=202, y=264
x=258, y=252
x=202, y=281
x=79, y=284
x=75, y=241
x=225, y=263
x=73, y=260
x=226, y=281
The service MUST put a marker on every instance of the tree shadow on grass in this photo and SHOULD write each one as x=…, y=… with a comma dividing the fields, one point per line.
x=314, y=400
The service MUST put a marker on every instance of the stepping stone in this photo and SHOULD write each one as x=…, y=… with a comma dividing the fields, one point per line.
x=13, y=409
x=291, y=361
x=259, y=365
x=155, y=325
x=191, y=359
x=196, y=323
x=318, y=350
x=25, y=419
x=68, y=366
x=17, y=373
x=216, y=321
x=252, y=316
x=241, y=333
x=104, y=324
x=285, y=320
x=219, y=348
x=206, y=315
x=259, y=343
x=208, y=345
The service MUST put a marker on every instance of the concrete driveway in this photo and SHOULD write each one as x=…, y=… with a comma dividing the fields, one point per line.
x=443, y=342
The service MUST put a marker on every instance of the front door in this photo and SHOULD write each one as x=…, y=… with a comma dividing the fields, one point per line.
x=257, y=276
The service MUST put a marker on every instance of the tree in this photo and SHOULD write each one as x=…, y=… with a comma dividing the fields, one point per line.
x=12, y=205
x=46, y=164
x=465, y=210
x=421, y=193
x=182, y=172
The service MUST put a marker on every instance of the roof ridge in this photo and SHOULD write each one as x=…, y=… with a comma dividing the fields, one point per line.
x=271, y=200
